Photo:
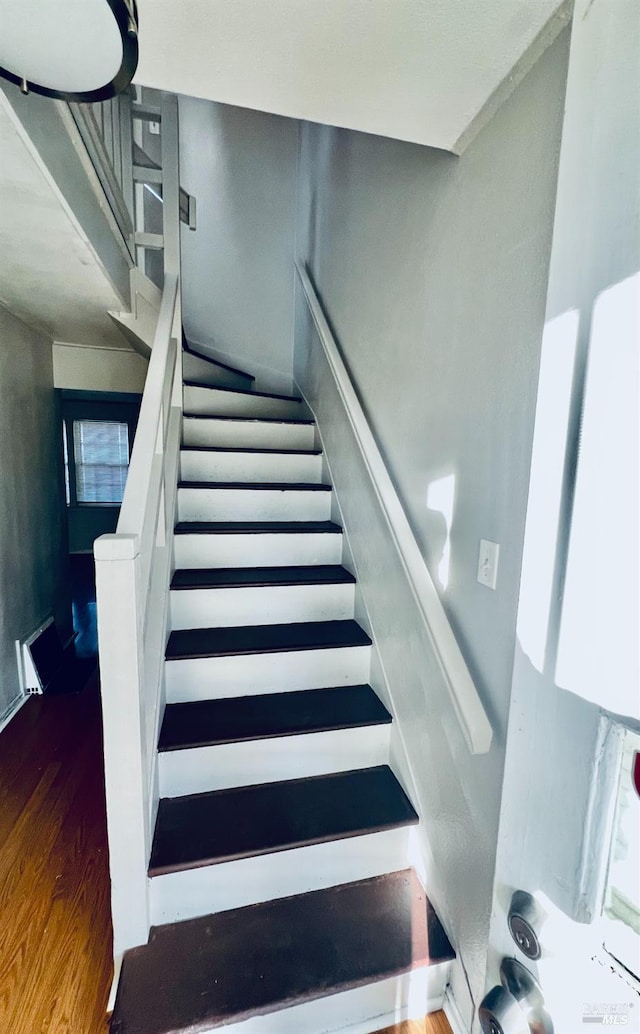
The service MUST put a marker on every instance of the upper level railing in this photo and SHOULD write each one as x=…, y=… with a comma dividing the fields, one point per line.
x=106, y=130
x=133, y=570
x=115, y=137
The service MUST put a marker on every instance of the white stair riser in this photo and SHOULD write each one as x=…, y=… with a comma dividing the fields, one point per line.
x=246, y=881
x=262, y=550
x=206, y=608
x=249, y=434
x=200, y=769
x=362, y=1010
x=211, y=678
x=208, y=401
x=196, y=369
x=250, y=466
x=246, y=504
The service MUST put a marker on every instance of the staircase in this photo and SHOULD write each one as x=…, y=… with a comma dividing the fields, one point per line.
x=282, y=898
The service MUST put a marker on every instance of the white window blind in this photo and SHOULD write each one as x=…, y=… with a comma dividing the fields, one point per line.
x=101, y=452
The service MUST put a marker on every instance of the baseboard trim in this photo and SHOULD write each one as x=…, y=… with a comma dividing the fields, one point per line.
x=111, y=1001
x=391, y=1019
x=452, y=1012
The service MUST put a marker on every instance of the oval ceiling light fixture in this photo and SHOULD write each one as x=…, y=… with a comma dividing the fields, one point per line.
x=74, y=50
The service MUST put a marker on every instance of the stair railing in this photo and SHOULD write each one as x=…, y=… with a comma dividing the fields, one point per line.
x=463, y=694
x=133, y=570
x=106, y=130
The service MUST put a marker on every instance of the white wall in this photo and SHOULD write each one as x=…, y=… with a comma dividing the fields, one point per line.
x=432, y=271
x=238, y=265
x=578, y=612
x=86, y=368
x=33, y=572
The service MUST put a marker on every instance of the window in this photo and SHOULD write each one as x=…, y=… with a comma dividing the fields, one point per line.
x=100, y=461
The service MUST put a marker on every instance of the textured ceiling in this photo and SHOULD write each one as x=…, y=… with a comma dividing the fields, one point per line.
x=429, y=71
x=50, y=277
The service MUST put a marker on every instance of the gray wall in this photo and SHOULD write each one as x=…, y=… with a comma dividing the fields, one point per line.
x=578, y=612
x=33, y=560
x=237, y=266
x=432, y=271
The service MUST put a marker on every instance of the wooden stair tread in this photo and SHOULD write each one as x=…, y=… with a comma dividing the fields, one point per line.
x=258, y=486
x=244, y=577
x=248, y=419
x=241, y=449
x=203, y=723
x=242, y=391
x=249, y=639
x=257, y=528
x=216, y=970
x=248, y=821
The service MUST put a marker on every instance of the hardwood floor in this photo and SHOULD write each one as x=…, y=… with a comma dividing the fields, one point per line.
x=55, y=926
x=437, y=1023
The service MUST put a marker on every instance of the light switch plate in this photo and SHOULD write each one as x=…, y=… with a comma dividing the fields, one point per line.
x=488, y=563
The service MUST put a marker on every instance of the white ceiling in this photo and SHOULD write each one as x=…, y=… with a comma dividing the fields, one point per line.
x=428, y=71
x=50, y=277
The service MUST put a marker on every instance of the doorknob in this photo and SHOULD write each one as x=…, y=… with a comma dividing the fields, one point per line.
x=523, y=919
x=500, y=1013
x=516, y=1005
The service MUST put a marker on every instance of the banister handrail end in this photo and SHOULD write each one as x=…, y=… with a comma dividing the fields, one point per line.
x=123, y=546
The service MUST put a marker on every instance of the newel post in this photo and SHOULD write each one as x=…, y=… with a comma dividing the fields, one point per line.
x=121, y=677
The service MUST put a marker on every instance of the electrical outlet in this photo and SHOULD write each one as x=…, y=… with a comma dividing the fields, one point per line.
x=488, y=563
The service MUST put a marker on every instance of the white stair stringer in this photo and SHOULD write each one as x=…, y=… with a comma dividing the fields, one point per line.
x=212, y=678
x=285, y=604
x=246, y=881
x=221, y=766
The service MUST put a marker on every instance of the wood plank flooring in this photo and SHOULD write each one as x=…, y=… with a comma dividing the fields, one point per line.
x=55, y=926
x=437, y=1023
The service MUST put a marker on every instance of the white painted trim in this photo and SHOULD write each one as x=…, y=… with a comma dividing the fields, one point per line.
x=452, y=1012
x=113, y=990
x=122, y=349
x=462, y=690
x=558, y=21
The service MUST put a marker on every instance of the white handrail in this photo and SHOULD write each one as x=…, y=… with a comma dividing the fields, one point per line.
x=136, y=491
x=462, y=690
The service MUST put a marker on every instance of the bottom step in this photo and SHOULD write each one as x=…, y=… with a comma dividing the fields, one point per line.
x=241, y=966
